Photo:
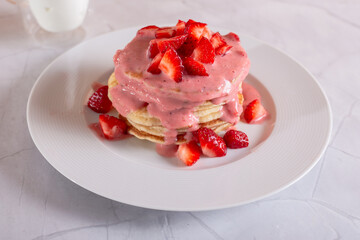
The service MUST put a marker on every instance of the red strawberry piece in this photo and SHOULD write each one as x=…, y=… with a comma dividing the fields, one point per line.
x=206, y=33
x=112, y=127
x=217, y=40
x=223, y=50
x=174, y=42
x=254, y=111
x=166, y=32
x=171, y=65
x=236, y=139
x=194, y=31
x=195, y=136
x=194, y=67
x=153, y=49
x=212, y=145
x=99, y=101
x=204, y=52
x=180, y=28
x=233, y=36
x=189, y=153
x=148, y=28
x=154, y=65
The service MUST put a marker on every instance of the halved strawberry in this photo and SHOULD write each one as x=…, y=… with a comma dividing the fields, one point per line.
x=147, y=28
x=194, y=67
x=99, y=101
x=153, y=49
x=180, y=28
x=154, y=65
x=165, y=32
x=204, y=52
x=236, y=139
x=212, y=145
x=233, y=36
x=217, y=40
x=171, y=65
x=189, y=153
x=223, y=50
x=112, y=127
x=174, y=42
x=254, y=111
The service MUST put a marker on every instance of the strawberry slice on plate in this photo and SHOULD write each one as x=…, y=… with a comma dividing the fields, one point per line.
x=171, y=65
x=154, y=65
x=212, y=145
x=174, y=42
x=254, y=111
x=165, y=32
x=194, y=67
x=99, y=101
x=204, y=52
x=189, y=153
x=112, y=127
x=236, y=139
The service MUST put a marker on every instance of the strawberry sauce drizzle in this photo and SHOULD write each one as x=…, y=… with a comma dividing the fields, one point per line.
x=173, y=103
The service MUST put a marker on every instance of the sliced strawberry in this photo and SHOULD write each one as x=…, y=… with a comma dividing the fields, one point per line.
x=99, y=101
x=233, y=36
x=217, y=40
x=194, y=67
x=212, y=145
x=180, y=28
x=254, y=111
x=154, y=65
x=189, y=153
x=223, y=50
x=194, y=31
x=174, y=42
x=236, y=139
x=148, y=28
x=112, y=127
x=171, y=65
x=165, y=32
x=153, y=49
x=207, y=33
x=204, y=52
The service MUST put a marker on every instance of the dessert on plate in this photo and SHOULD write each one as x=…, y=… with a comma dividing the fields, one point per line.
x=181, y=85
x=192, y=85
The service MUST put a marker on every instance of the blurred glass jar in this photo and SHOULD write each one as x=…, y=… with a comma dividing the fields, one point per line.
x=54, y=22
x=59, y=15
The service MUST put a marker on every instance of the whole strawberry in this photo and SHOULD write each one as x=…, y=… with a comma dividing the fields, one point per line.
x=236, y=139
x=99, y=101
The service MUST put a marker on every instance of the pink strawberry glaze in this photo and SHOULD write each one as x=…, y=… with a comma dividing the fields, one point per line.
x=166, y=150
x=173, y=103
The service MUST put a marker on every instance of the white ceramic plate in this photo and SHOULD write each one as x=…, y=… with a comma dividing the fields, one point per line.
x=282, y=150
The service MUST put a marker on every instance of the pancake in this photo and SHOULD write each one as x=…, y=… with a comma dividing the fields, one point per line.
x=144, y=126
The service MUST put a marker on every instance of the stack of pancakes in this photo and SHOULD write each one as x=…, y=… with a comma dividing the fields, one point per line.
x=144, y=126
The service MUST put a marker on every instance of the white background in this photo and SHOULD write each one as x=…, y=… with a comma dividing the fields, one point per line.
x=37, y=202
